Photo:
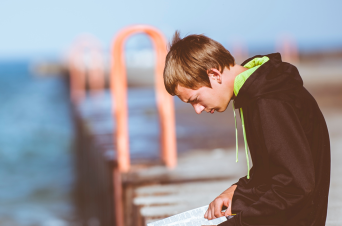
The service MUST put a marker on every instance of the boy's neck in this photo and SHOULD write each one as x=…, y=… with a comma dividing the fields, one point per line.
x=230, y=75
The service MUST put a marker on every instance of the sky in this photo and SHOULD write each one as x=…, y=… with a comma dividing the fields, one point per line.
x=49, y=27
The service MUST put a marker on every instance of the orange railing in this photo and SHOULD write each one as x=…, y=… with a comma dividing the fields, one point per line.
x=288, y=48
x=165, y=103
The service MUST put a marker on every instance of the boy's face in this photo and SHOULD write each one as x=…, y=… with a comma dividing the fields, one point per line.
x=208, y=99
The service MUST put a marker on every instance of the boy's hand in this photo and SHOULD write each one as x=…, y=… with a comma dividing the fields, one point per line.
x=215, y=207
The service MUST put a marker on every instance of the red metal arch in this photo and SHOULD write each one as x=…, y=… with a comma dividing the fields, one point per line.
x=96, y=73
x=165, y=103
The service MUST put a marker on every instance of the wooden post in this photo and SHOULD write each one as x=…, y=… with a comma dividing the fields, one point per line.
x=118, y=202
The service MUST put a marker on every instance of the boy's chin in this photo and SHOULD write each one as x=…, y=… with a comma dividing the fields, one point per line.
x=223, y=108
x=220, y=110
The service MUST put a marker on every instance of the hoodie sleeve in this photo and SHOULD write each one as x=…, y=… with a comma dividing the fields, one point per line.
x=291, y=167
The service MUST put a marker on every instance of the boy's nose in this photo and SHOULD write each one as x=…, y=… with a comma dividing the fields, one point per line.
x=198, y=108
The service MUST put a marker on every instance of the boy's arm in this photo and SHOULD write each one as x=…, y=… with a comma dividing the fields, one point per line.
x=292, y=176
x=224, y=199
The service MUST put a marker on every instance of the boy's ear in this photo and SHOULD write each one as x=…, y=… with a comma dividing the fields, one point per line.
x=214, y=75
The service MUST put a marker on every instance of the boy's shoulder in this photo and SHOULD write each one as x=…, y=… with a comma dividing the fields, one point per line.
x=272, y=80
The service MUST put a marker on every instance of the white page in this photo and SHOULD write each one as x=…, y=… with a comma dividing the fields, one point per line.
x=194, y=217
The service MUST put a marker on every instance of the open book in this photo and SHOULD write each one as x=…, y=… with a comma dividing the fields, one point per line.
x=193, y=217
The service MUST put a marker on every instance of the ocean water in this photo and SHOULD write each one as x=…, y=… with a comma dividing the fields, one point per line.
x=36, y=145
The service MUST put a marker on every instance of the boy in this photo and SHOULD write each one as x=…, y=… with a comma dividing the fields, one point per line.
x=282, y=124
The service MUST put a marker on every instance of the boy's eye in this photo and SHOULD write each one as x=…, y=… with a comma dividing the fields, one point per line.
x=193, y=100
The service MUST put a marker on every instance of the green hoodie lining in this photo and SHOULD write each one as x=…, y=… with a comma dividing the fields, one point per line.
x=240, y=79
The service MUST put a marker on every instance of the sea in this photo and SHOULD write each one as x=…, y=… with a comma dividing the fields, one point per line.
x=36, y=145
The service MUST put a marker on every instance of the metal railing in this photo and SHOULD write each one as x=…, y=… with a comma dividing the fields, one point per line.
x=86, y=63
x=165, y=103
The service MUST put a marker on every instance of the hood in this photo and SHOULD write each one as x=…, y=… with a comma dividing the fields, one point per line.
x=267, y=74
x=272, y=76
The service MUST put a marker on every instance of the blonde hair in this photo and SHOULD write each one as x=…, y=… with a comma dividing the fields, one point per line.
x=189, y=59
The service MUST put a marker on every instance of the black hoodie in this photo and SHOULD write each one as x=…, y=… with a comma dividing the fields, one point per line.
x=289, y=144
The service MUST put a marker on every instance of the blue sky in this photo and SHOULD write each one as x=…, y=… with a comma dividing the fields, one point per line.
x=47, y=27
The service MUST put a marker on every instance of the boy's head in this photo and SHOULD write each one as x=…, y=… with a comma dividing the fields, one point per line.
x=192, y=64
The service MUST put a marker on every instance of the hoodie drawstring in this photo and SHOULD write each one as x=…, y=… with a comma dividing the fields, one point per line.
x=240, y=79
x=236, y=133
x=244, y=137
